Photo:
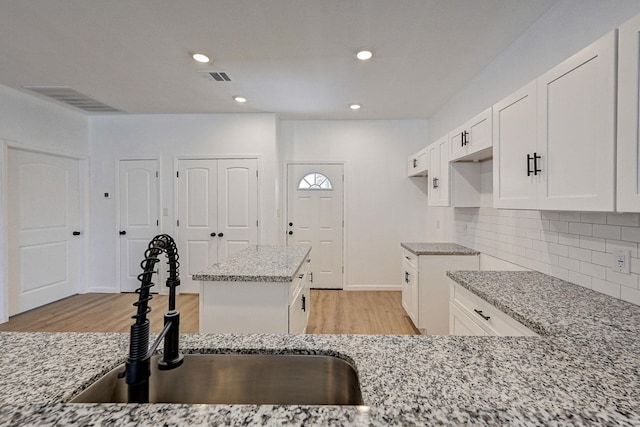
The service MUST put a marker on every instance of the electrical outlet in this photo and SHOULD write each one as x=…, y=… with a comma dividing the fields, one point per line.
x=622, y=260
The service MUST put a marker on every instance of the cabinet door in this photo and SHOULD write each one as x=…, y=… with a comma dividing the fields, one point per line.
x=439, y=176
x=418, y=164
x=628, y=183
x=480, y=136
x=576, y=130
x=457, y=145
x=514, y=137
x=460, y=324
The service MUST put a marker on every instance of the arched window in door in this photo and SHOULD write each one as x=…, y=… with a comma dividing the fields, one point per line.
x=315, y=181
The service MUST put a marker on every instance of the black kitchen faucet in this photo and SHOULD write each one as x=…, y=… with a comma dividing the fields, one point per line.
x=138, y=363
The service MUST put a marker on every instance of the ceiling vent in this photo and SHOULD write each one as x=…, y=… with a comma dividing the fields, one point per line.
x=219, y=76
x=74, y=98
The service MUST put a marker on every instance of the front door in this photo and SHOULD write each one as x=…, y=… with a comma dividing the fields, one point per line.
x=139, y=218
x=315, y=217
x=44, y=231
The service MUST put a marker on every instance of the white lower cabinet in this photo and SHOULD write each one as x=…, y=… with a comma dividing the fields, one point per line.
x=471, y=315
x=425, y=289
x=256, y=307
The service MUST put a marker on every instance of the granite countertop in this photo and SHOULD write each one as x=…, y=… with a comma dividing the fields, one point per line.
x=262, y=263
x=582, y=369
x=438, y=249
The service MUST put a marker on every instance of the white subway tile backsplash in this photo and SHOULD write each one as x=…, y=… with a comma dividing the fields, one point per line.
x=569, y=239
x=628, y=219
x=559, y=226
x=573, y=246
x=630, y=234
x=594, y=217
x=628, y=280
x=569, y=263
x=607, y=231
x=581, y=228
x=630, y=295
x=580, y=254
x=607, y=288
x=593, y=270
x=580, y=279
x=603, y=258
x=593, y=243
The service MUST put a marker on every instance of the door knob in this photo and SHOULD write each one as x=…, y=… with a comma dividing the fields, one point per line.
x=220, y=234
x=122, y=233
x=213, y=234
x=76, y=233
x=290, y=233
x=290, y=224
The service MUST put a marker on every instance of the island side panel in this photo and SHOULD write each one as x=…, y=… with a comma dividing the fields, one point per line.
x=244, y=307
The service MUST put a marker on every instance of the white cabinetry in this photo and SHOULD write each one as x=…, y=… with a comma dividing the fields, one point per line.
x=418, y=164
x=471, y=315
x=514, y=142
x=628, y=162
x=256, y=307
x=425, y=289
x=572, y=164
x=439, y=173
x=410, y=285
x=473, y=140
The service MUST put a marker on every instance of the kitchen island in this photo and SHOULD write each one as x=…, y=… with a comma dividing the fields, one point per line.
x=583, y=368
x=261, y=289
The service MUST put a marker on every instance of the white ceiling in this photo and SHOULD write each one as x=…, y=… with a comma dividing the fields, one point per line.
x=291, y=57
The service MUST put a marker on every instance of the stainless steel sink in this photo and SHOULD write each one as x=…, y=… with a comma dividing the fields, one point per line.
x=240, y=379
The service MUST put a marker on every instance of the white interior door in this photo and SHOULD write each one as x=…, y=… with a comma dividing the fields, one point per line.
x=44, y=213
x=139, y=217
x=315, y=217
x=237, y=205
x=217, y=213
x=197, y=218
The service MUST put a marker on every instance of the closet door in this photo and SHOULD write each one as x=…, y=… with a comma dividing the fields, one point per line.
x=576, y=130
x=197, y=220
x=237, y=205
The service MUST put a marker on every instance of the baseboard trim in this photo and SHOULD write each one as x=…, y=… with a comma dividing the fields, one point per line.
x=373, y=288
x=100, y=290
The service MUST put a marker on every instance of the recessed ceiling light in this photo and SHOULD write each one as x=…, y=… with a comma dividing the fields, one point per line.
x=355, y=106
x=364, y=55
x=200, y=57
x=240, y=99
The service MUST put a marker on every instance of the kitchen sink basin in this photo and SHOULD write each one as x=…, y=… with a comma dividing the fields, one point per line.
x=240, y=379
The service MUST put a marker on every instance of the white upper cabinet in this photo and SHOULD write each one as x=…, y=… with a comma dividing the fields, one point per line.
x=473, y=140
x=555, y=138
x=628, y=184
x=576, y=130
x=439, y=172
x=418, y=164
x=514, y=142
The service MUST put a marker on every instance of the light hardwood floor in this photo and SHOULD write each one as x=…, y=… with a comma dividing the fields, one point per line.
x=333, y=312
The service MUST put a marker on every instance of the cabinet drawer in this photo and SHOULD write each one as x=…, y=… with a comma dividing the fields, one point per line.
x=489, y=318
x=410, y=258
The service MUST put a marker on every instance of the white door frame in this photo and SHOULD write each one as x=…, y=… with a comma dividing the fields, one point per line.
x=83, y=203
x=117, y=195
x=285, y=201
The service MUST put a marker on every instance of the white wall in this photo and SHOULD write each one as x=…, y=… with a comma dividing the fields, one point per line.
x=575, y=246
x=383, y=206
x=32, y=123
x=167, y=137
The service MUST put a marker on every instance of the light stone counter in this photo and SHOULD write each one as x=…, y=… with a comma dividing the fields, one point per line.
x=438, y=249
x=261, y=263
x=583, y=369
